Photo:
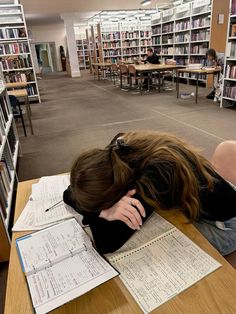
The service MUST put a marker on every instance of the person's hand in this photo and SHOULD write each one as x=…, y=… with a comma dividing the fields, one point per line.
x=128, y=210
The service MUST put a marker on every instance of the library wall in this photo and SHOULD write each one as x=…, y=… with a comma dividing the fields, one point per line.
x=50, y=33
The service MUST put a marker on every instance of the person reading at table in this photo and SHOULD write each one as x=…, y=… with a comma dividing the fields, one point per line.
x=118, y=187
x=151, y=57
x=215, y=59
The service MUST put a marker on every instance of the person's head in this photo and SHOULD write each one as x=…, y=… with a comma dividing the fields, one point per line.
x=211, y=54
x=150, y=52
x=101, y=177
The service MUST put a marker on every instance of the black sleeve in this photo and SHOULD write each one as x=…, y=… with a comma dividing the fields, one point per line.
x=219, y=204
x=108, y=236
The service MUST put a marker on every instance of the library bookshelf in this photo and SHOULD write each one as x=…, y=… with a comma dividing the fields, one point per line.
x=9, y=151
x=124, y=41
x=229, y=80
x=183, y=33
x=15, y=53
x=83, y=53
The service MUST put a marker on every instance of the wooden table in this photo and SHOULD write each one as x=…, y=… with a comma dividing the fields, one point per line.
x=16, y=85
x=150, y=68
x=197, y=72
x=103, y=66
x=213, y=294
x=22, y=93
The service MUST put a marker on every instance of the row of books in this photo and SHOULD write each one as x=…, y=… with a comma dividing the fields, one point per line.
x=9, y=63
x=156, y=41
x=168, y=50
x=200, y=35
x=12, y=140
x=181, y=50
x=156, y=30
x=130, y=35
x=230, y=71
x=27, y=76
x=199, y=49
x=143, y=50
x=180, y=38
x=233, y=7
x=14, y=48
x=201, y=22
x=31, y=90
x=230, y=92
x=113, y=44
x=181, y=61
x=5, y=182
x=183, y=25
x=200, y=59
x=167, y=39
x=129, y=43
x=109, y=53
x=111, y=36
x=167, y=28
x=231, y=50
x=5, y=113
x=145, y=42
x=130, y=51
x=233, y=30
x=145, y=34
x=8, y=33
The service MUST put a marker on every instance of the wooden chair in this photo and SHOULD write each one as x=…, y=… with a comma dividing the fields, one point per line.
x=124, y=73
x=137, y=78
x=115, y=72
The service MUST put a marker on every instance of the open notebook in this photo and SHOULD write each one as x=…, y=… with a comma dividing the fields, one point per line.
x=61, y=264
x=158, y=262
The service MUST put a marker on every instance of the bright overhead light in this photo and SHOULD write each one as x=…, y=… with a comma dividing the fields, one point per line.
x=146, y=2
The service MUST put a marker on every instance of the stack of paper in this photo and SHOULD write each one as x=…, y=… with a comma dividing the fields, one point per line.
x=45, y=206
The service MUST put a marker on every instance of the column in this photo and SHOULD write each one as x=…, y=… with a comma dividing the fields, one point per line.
x=71, y=44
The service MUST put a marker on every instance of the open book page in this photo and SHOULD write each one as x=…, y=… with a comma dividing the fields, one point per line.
x=153, y=227
x=163, y=268
x=46, y=247
x=68, y=279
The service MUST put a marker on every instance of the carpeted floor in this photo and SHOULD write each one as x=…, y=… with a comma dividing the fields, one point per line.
x=77, y=114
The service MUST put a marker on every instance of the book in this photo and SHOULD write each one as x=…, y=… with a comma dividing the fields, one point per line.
x=61, y=264
x=159, y=262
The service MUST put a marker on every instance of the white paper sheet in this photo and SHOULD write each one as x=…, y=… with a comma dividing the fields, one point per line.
x=163, y=268
x=41, y=249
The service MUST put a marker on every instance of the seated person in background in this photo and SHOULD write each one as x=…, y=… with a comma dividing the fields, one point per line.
x=215, y=59
x=151, y=57
x=118, y=187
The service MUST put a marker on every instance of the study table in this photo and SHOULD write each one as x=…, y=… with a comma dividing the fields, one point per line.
x=142, y=69
x=213, y=294
x=103, y=66
x=197, y=72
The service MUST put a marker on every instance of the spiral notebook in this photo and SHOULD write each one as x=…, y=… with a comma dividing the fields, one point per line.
x=61, y=264
x=159, y=262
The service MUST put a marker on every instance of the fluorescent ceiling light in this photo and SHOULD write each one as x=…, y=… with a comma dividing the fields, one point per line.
x=146, y=2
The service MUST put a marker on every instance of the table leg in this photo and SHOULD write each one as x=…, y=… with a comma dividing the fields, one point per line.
x=177, y=83
x=22, y=119
x=159, y=83
x=196, y=99
x=28, y=114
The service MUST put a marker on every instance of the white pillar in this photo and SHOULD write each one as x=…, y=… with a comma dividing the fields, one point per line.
x=71, y=43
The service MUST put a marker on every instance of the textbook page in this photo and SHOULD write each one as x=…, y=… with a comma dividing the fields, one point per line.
x=153, y=227
x=68, y=279
x=163, y=268
x=46, y=247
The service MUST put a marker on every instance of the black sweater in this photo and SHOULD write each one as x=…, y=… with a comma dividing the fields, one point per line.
x=109, y=236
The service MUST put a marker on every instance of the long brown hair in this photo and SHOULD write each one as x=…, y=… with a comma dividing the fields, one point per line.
x=100, y=177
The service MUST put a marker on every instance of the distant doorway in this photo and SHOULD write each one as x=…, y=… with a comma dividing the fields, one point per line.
x=46, y=57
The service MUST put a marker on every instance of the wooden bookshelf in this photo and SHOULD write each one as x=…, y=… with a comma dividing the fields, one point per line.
x=9, y=150
x=183, y=33
x=15, y=53
x=83, y=53
x=229, y=82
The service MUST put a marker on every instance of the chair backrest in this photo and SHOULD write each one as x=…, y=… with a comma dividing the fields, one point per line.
x=132, y=69
x=14, y=105
x=123, y=69
x=114, y=67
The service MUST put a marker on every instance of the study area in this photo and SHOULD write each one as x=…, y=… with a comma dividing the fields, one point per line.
x=118, y=156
